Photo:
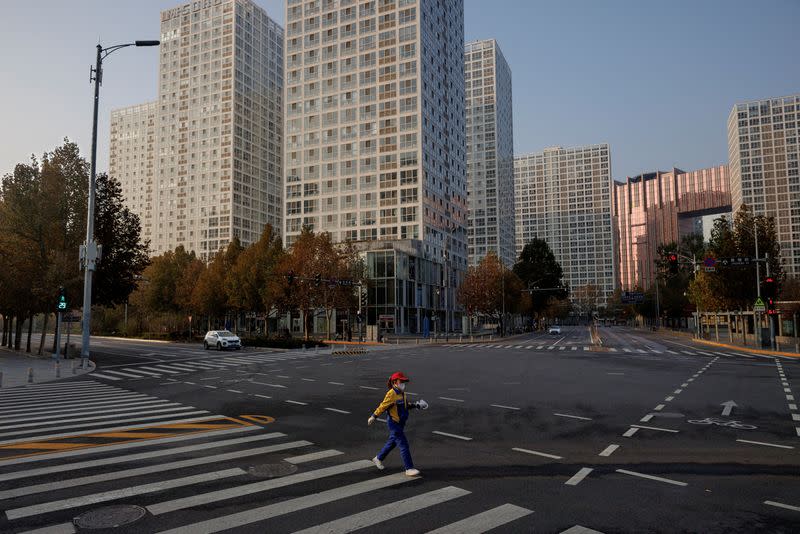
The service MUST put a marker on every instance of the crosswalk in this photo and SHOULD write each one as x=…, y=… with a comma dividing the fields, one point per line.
x=193, y=472
x=167, y=369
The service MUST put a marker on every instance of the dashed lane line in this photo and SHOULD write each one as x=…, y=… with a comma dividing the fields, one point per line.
x=765, y=444
x=652, y=477
x=573, y=416
x=455, y=436
x=608, y=451
x=537, y=453
x=504, y=407
x=579, y=476
x=656, y=428
x=784, y=506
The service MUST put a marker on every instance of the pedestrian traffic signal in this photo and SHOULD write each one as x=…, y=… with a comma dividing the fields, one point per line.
x=769, y=287
x=672, y=261
x=771, y=306
x=62, y=300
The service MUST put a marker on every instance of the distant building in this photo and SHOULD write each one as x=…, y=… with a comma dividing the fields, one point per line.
x=218, y=129
x=659, y=208
x=764, y=154
x=564, y=197
x=490, y=152
x=375, y=147
x=132, y=160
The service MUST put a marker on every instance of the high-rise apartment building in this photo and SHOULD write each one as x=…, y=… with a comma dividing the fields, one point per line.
x=660, y=208
x=132, y=159
x=375, y=145
x=490, y=152
x=764, y=154
x=564, y=197
x=218, y=127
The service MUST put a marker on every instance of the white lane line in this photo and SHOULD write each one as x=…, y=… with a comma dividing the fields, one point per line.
x=456, y=436
x=247, y=517
x=677, y=392
x=169, y=371
x=119, y=407
x=98, y=375
x=158, y=468
x=262, y=396
x=668, y=399
x=138, y=370
x=685, y=385
x=652, y=477
x=630, y=432
x=233, y=390
x=576, y=479
x=573, y=416
x=74, y=502
x=368, y=387
x=577, y=529
x=107, y=429
x=120, y=373
x=210, y=378
x=335, y=410
x=659, y=408
x=267, y=384
x=256, y=487
x=311, y=380
x=781, y=505
x=96, y=462
x=615, y=373
x=485, y=521
x=303, y=458
x=336, y=383
x=121, y=400
x=608, y=451
x=283, y=376
x=656, y=428
x=379, y=514
x=505, y=407
x=451, y=399
x=98, y=417
x=47, y=400
x=646, y=418
x=765, y=444
x=537, y=453
x=297, y=402
x=210, y=387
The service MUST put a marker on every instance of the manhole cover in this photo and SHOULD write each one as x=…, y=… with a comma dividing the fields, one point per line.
x=110, y=516
x=272, y=470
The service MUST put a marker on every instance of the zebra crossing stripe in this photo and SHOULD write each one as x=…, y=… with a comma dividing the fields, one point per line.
x=63, y=528
x=175, y=407
x=117, y=407
x=485, y=521
x=303, y=458
x=106, y=377
x=292, y=505
x=158, y=468
x=140, y=371
x=49, y=406
x=120, y=373
x=386, y=512
x=168, y=370
x=255, y=487
x=83, y=500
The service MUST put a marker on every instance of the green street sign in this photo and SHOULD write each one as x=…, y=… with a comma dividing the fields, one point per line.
x=759, y=305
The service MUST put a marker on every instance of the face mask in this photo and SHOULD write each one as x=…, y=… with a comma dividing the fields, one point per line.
x=401, y=386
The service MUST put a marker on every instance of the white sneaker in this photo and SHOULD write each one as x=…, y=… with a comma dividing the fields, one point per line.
x=378, y=463
x=412, y=472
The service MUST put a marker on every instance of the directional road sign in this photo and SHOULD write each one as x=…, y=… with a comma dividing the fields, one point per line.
x=759, y=305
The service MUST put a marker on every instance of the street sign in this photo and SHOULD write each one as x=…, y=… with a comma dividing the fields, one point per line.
x=632, y=297
x=710, y=264
x=759, y=305
x=736, y=261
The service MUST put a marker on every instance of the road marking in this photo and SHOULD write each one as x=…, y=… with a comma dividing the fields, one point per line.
x=337, y=410
x=368, y=387
x=537, y=453
x=793, y=407
x=210, y=387
x=506, y=407
x=169, y=371
x=765, y=444
x=790, y=397
x=685, y=384
x=128, y=400
x=240, y=519
x=451, y=399
x=386, y=512
x=303, y=458
x=577, y=477
x=158, y=468
x=668, y=399
x=630, y=432
x=652, y=477
x=74, y=502
x=626, y=350
x=646, y=418
x=336, y=383
x=267, y=384
x=120, y=373
x=148, y=410
x=456, y=436
x=608, y=451
x=615, y=373
x=255, y=487
x=656, y=428
x=309, y=380
x=677, y=392
x=107, y=377
x=659, y=407
x=573, y=416
x=485, y=521
x=262, y=396
x=113, y=408
x=781, y=505
x=233, y=390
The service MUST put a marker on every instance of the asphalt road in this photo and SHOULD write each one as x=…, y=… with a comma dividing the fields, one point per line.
x=537, y=433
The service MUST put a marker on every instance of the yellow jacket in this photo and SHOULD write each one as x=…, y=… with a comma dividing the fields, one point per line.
x=396, y=404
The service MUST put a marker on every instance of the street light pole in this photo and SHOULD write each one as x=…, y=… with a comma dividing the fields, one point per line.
x=90, y=251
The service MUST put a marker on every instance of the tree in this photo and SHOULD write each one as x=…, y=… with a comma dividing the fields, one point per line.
x=539, y=272
x=488, y=288
x=124, y=254
x=586, y=298
x=209, y=297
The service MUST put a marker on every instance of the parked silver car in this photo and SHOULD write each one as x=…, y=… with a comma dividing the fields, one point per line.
x=222, y=339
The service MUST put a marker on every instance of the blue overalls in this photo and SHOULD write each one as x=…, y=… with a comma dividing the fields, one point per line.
x=395, y=404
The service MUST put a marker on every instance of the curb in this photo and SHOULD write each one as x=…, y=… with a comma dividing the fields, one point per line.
x=756, y=351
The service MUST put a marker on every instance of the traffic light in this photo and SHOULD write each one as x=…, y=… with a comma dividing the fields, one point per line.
x=769, y=287
x=672, y=261
x=318, y=280
x=364, y=298
x=62, y=300
x=771, y=306
x=290, y=277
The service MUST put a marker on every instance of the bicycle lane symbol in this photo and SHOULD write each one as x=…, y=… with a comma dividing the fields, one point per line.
x=721, y=422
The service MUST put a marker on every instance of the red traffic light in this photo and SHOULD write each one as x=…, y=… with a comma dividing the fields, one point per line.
x=673, y=257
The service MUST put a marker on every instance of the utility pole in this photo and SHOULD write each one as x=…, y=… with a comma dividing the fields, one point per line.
x=757, y=315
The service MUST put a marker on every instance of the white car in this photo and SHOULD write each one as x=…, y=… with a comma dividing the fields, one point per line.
x=222, y=339
x=555, y=329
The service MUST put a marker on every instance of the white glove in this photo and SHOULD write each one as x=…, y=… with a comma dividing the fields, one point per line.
x=370, y=420
x=422, y=405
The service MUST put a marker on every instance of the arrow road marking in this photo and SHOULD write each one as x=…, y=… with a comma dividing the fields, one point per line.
x=728, y=406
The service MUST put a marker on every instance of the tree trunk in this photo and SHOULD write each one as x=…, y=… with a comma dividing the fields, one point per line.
x=30, y=332
x=5, y=329
x=55, y=335
x=305, y=324
x=10, y=340
x=18, y=333
x=44, y=333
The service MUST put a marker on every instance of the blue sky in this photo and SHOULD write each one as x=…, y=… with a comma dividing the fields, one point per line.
x=654, y=79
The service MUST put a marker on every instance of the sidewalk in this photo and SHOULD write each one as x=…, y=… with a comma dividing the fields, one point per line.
x=15, y=368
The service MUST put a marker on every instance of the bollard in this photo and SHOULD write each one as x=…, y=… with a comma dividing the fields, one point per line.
x=316, y=349
x=58, y=369
x=417, y=341
x=304, y=347
x=397, y=341
x=74, y=369
x=83, y=363
x=30, y=375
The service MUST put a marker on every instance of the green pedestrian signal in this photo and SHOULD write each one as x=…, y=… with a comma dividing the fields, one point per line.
x=62, y=300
